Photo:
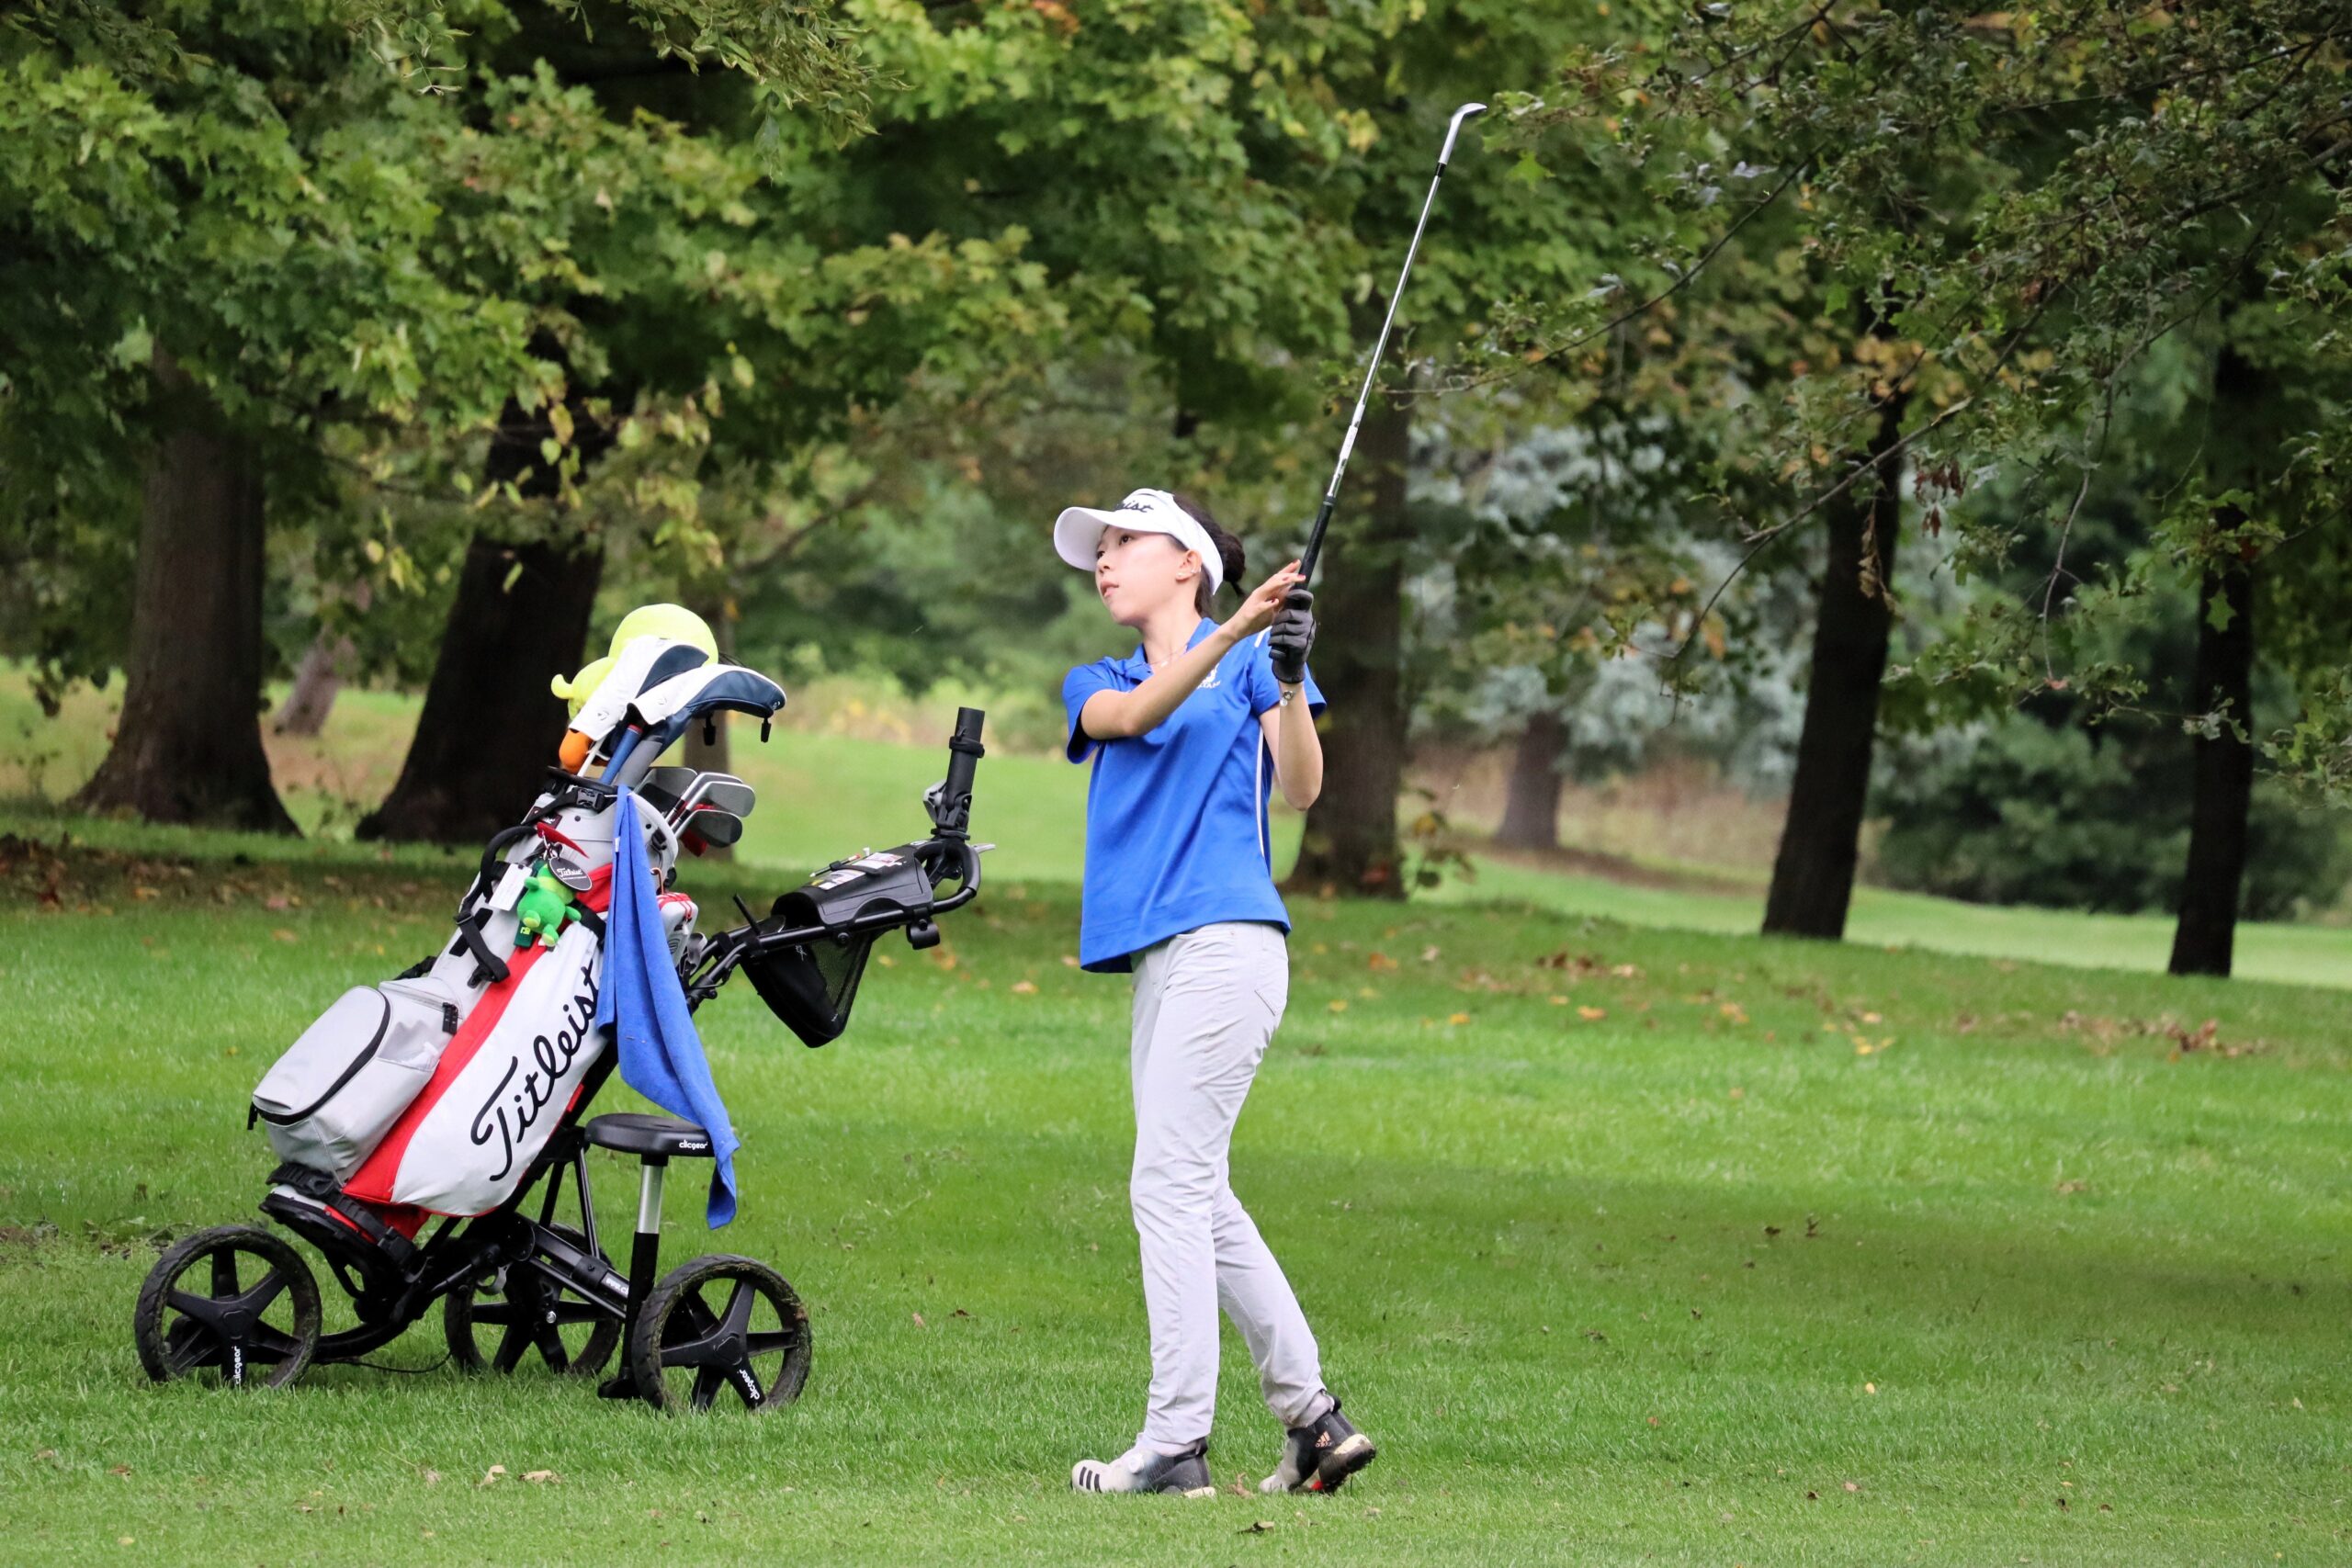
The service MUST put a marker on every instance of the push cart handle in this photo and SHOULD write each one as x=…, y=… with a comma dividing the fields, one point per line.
x=952, y=813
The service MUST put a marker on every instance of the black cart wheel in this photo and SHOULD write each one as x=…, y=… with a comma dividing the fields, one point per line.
x=720, y=1322
x=491, y=1325
x=232, y=1301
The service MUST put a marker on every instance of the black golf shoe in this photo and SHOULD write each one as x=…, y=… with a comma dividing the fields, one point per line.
x=1321, y=1455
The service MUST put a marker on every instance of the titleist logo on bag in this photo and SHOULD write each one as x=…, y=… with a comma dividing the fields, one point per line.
x=506, y=1116
x=468, y=1141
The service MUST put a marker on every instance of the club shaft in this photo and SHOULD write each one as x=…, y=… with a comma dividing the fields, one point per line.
x=1380, y=345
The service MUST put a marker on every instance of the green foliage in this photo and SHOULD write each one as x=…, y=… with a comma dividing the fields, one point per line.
x=2028, y=812
x=2006, y=213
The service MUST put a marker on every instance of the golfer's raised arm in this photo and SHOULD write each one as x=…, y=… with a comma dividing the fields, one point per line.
x=1112, y=716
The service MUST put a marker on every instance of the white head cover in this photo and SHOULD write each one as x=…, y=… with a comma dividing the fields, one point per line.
x=1077, y=529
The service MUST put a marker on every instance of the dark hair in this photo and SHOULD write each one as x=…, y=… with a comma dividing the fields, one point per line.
x=1231, y=562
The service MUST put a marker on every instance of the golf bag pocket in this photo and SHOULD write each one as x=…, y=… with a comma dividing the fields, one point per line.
x=338, y=1087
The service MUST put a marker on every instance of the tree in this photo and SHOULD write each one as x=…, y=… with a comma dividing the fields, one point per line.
x=256, y=202
x=2029, y=201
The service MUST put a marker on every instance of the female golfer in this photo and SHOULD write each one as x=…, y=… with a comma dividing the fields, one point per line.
x=1187, y=736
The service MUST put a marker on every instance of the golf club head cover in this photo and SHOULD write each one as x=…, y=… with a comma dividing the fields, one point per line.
x=1291, y=635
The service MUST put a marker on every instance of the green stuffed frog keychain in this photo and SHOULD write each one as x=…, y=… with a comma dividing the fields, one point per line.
x=545, y=906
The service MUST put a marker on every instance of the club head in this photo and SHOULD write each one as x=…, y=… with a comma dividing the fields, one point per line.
x=664, y=788
x=724, y=790
x=715, y=828
x=1453, y=129
x=728, y=794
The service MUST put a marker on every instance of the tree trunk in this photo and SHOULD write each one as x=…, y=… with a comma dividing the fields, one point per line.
x=317, y=680
x=2224, y=773
x=2222, y=768
x=490, y=726
x=188, y=748
x=1812, y=875
x=1351, y=838
x=713, y=756
x=1531, y=807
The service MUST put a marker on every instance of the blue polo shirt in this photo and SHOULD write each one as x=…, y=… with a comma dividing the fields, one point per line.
x=1176, y=829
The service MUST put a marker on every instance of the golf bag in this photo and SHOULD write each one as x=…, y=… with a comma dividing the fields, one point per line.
x=437, y=1090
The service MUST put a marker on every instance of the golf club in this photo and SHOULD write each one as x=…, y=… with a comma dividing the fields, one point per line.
x=723, y=792
x=664, y=787
x=1331, y=496
x=715, y=828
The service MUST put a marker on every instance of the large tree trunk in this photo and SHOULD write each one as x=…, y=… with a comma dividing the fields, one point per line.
x=2221, y=769
x=490, y=727
x=2224, y=773
x=1532, y=805
x=1812, y=875
x=188, y=748
x=1351, y=838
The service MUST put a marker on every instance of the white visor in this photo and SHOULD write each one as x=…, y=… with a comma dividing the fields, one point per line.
x=1078, y=528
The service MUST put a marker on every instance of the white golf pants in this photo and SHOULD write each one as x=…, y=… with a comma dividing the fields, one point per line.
x=1206, y=1004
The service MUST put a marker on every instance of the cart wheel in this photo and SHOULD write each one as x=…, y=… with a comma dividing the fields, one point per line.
x=249, y=1313
x=529, y=1312
x=715, y=1322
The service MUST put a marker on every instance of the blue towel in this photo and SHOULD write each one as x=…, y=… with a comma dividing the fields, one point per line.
x=646, y=1008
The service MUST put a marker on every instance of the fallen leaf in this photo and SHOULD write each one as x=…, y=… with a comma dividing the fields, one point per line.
x=433, y=1478
x=495, y=1472
x=1024, y=987
x=918, y=1322
x=282, y=934
x=540, y=1477
x=1380, y=960
x=1592, y=1014
x=1869, y=1388
x=1458, y=1017
x=1256, y=1527
x=1853, y=1486
x=1339, y=1004
x=1559, y=1002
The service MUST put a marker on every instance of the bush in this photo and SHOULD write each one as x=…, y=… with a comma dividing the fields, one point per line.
x=2028, y=813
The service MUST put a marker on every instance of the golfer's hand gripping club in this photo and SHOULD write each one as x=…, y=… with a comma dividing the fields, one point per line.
x=1331, y=494
x=1291, y=636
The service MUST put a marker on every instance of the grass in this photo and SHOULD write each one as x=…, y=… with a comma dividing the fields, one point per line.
x=2299, y=954
x=1629, y=1244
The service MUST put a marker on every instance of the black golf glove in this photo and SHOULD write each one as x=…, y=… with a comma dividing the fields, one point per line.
x=1291, y=635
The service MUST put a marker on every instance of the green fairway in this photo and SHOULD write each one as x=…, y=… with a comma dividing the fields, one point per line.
x=2302, y=955
x=1618, y=1240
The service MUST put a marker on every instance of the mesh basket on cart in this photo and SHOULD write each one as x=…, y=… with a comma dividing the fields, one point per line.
x=811, y=986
